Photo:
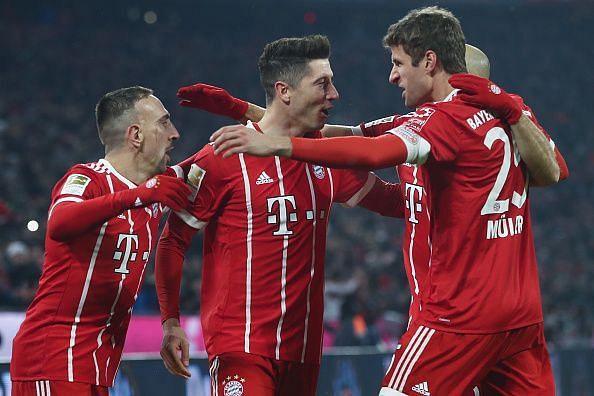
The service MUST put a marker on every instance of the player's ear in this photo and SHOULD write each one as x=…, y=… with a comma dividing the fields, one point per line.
x=134, y=135
x=429, y=61
x=283, y=91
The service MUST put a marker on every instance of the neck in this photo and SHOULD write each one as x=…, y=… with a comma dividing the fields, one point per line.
x=441, y=87
x=129, y=165
x=278, y=121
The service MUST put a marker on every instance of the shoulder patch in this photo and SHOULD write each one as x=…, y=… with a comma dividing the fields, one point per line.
x=195, y=177
x=75, y=184
x=384, y=120
x=417, y=119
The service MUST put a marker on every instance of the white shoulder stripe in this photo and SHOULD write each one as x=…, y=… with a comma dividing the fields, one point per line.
x=191, y=220
x=179, y=172
x=65, y=199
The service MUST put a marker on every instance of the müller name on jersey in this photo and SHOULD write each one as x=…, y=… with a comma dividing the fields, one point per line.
x=504, y=227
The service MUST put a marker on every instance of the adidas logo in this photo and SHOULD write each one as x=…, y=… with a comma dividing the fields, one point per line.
x=121, y=216
x=422, y=388
x=263, y=179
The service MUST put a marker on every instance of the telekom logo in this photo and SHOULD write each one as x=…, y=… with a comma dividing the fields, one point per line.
x=126, y=251
x=414, y=194
x=281, y=210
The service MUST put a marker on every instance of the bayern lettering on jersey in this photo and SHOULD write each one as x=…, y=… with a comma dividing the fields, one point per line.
x=479, y=235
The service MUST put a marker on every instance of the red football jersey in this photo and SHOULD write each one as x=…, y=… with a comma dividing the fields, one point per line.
x=265, y=222
x=416, y=244
x=467, y=261
x=75, y=328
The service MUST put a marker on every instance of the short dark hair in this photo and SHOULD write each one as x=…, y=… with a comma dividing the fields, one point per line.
x=430, y=28
x=111, y=108
x=287, y=60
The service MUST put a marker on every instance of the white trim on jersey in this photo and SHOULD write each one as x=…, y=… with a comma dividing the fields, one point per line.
x=179, y=172
x=331, y=187
x=409, y=357
x=117, y=174
x=313, y=259
x=65, y=199
x=411, y=260
x=248, y=260
x=362, y=193
x=214, y=376
x=112, y=309
x=42, y=388
x=82, y=300
x=191, y=220
x=281, y=185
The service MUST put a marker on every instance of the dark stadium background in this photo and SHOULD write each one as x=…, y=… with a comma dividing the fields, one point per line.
x=58, y=58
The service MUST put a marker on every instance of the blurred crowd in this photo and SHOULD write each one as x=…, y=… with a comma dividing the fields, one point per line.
x=60, y=58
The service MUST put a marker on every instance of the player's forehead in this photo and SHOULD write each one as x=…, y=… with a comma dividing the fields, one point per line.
x=151, y=109
x=319, y=68
x=398, y=53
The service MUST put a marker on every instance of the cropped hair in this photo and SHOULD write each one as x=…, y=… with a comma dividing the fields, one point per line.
x=115, y=111
x=287, y=60
x=430, y=28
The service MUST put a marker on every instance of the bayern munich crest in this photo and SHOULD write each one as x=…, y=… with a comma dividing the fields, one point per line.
x=151, y=183
x=318, y=171
x=233, y=386
x=495, y=89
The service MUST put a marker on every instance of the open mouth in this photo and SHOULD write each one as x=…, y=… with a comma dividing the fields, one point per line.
x=326, y=112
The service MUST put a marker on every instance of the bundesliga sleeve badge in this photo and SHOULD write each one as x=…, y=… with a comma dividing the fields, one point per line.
x=75, y=184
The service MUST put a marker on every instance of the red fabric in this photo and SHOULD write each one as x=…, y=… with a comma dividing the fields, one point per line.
x=481, y=92
x=88, y=286
x=384, y=198
x=34, y=388
x=378, y=127
x=267, y=220
x=212, y=99
x=174, y=242
x=93, y=212
x=351, y=151
x=483, y=276
x=514, y=362
x=563, y=169
x=249, y=374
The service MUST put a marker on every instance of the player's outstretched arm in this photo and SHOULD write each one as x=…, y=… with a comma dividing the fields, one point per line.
x=534, y=147
x=169, y=191
x=536, y=152
x=384, y=198
x=330, y=130
x=341, y=152
x=173, y=244
x=216, y=100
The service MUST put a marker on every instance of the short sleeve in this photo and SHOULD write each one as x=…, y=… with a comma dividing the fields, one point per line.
x=351, y=185
x=437, y=128
x=78, y=184
x=378, y=127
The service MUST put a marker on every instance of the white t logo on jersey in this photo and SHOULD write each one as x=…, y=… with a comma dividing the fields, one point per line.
x=414, y=194
x=282, y=216
x=129, y=253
